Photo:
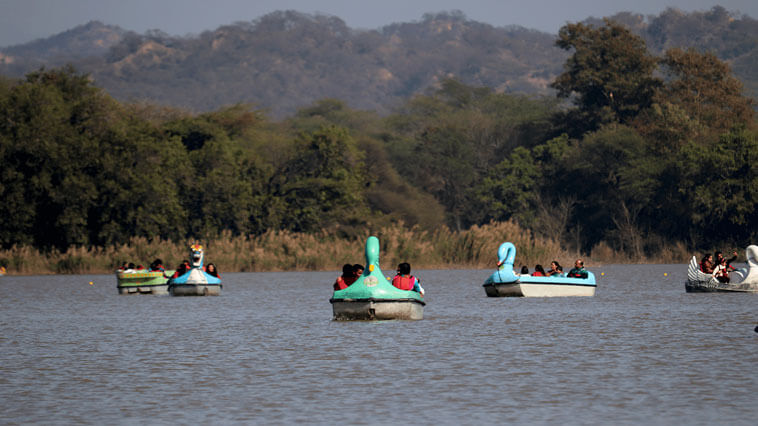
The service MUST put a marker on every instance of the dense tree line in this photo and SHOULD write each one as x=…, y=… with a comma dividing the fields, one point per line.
x=637, y=151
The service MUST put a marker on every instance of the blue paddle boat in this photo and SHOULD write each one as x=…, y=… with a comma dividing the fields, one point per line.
x=505, y=283
x=372, y=297
x=195, y=281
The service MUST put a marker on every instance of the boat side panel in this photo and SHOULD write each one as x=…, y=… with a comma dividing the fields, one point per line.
x=503, y=290
x=370, y=310
x=546, y=290
x=195, y=290
x=150, y=289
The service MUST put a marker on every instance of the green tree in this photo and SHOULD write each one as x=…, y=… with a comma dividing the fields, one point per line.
x=721, y=188
x=321, y=186
x=77, y=168
x=609, y=76
x=703, y=86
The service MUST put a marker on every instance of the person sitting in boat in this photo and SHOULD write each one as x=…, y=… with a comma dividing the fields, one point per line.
x=706, y=264
x=211, y=270
x=555, y=269
x=357, y=270
x=405, y=281
x=524, y=270
x=131, y=267
x=578, y=270
x=729, y=261
x=181, y=269
x=347, y=278
x=721, y=271
x=539, y=271
x=157, y=266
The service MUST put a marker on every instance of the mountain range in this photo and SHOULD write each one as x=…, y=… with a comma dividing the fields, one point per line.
x=286, y=60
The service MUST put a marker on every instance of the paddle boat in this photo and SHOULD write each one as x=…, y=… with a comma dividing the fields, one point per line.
x=743, y=280
x=142, y=282
x=195, y=281
x=505, y=283
x=373, y=297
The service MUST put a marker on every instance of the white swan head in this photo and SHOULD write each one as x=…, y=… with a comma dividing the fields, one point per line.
x=752, y=255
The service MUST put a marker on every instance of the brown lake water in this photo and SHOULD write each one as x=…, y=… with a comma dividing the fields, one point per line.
x=642, y=351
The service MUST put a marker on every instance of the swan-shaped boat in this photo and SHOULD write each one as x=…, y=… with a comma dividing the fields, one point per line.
x=195, y=282
x=372, y=297
x=142, y=282
x=743, y=280
x=505, y=283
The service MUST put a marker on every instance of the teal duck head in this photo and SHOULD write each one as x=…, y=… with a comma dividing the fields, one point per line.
x=372, y=253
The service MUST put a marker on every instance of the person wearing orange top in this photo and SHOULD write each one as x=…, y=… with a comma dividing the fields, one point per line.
x=405, y=281
x=348, y=277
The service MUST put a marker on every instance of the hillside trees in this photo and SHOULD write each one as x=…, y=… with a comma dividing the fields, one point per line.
x=637, y=159
x=609, y=76
x=69, y=157
x=448, y=141
x=321, y=186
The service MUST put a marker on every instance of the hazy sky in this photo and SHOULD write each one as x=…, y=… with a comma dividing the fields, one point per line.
x=25, y=20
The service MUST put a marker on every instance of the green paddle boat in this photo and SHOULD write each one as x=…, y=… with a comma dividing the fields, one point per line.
x=142, y=282
x=372, y=297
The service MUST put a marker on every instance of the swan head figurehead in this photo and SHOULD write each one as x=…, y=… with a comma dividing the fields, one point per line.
x=506, y=254
x=372, y=253
x=196, y=255
x=752, y=256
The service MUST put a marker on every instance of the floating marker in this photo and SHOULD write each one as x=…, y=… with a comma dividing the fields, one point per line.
x=90, y=283
x=665, y=274
x=602, y=273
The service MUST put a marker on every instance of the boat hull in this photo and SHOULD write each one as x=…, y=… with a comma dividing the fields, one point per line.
x=717, y=287
x=523, y=289
x=195, y=289
x=377, y=309
x=142, y=283
x=144, y=289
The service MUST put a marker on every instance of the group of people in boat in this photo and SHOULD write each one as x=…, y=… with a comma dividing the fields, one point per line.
x=157, y=266
x=556, y=270
x=402, y=280
x=720, y=267
x=130, y=267
x=350, y=274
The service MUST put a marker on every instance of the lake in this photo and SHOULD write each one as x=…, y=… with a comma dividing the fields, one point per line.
x=267, y=351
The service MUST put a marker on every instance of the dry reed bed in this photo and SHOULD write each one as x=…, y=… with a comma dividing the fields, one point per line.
x=475, y=248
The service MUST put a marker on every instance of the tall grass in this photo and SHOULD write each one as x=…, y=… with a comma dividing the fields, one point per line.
x=443, y=248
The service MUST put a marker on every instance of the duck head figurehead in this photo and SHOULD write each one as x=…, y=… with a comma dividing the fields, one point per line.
x=506, y=254
x=196, y=255
x=372, y=253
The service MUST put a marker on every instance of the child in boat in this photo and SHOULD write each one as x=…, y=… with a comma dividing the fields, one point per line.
x=405, y=281
x=555, y=269
x=578, y=270
x=347, y=278
x=720, y=256
x=539, y=271
x=721, y=271
x=524, y=270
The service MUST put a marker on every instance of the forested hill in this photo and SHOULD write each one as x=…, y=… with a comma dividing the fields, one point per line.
x=286, y=60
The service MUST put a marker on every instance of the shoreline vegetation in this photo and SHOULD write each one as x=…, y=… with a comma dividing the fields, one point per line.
x=276, y=251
